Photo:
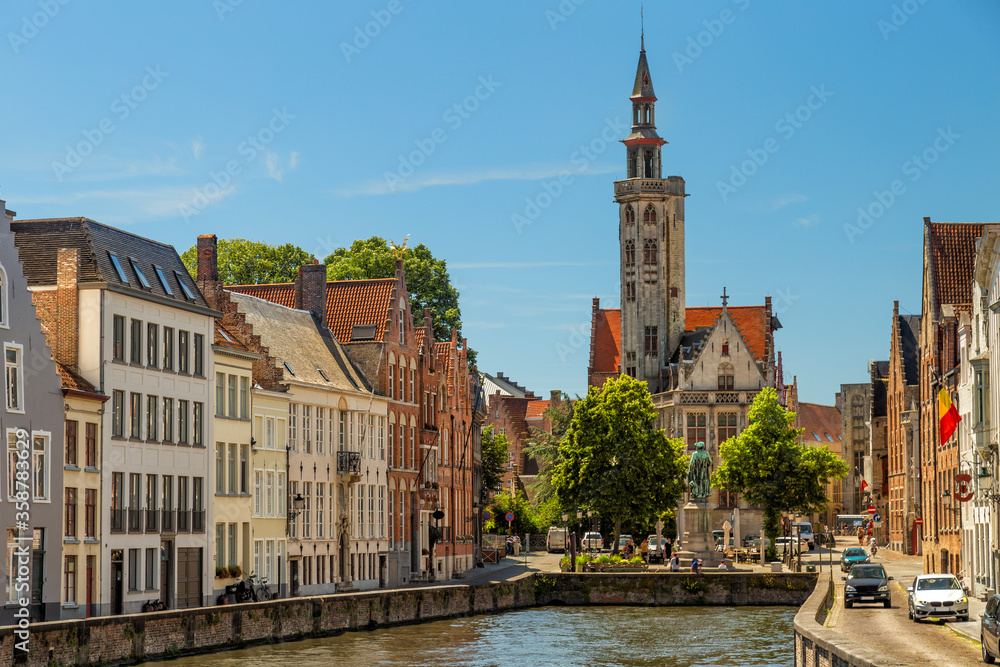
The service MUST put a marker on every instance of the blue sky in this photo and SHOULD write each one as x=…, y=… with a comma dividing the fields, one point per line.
x=288, y=123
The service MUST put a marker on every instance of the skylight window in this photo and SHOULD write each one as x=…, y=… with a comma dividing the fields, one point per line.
x=222, y=332
x=288, y=367
x=815, y=435
x=138, y=273
x=163, y=280
x=118, y=267
x=828, y=437
x=184, y=288
x=322, y=374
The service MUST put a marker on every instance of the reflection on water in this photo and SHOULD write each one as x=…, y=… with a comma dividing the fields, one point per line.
x=628, y=636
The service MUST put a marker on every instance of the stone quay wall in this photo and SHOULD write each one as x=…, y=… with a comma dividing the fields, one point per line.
x=166, y=634
x=818, y=646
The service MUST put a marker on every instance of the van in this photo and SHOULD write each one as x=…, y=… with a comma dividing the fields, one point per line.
x=804, y=529
x=556, y=539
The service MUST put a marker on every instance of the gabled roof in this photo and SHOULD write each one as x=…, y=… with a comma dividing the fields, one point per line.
x=72, y=381
x=349, y=303
x=506, y=386
x=821, y=423
x=296, y=344
x=750, y=320
x=226, y=338
x=607, y=341
x=535, y=410
x=953, y=256
x=909, y=332
x=38, y=243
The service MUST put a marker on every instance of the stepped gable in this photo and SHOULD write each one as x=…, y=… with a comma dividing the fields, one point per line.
x=607, y=341
x=909, y=333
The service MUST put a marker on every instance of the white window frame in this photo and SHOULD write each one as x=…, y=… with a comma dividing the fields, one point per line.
x=269, y=493
x=45, y=469
x=258, y=490
x=4, y=302
x=282, y=494
x=18, y=368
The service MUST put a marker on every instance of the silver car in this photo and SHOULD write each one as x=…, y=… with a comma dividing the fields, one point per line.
x=937, y=596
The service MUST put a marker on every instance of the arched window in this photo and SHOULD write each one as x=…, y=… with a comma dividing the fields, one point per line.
x=726, y=372
x=629, y=215
x=647, y=159
x=649, y=215
x=3, y=297
x=630, y=253
x=649, y=252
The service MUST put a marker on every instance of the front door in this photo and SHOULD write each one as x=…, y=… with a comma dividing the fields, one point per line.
x=189, y=577
x=293, y=575
x=166, y=571
x=117, y=582
x=90, y=587
x=37, y=577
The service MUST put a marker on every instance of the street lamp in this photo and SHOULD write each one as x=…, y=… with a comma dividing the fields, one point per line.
x=298, y=504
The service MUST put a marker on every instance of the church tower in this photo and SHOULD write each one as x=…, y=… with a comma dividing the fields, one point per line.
x=651, y=234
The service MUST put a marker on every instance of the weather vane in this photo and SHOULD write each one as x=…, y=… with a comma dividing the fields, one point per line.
x=400, y=250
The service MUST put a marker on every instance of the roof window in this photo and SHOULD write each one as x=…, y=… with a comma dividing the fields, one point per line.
x=184, y=288
x=288, y=367
x=222, y=332
x=163, y=280
x=363, y=332
x=138, y=273
x=815, y=435
x=828, y=437
x=118, y=267
x=322, y=374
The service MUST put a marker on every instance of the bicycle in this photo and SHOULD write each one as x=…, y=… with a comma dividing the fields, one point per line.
x=259, y=589
x=153, y=605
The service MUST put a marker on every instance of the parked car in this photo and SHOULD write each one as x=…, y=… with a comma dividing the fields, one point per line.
x=805, y=530
x=789, y=542
x=937, y=596
x=989, y=630
x=657, y=549
x=556, y=539
x=867, y=583
x=852, y=556
x=593, y=541
x=623, y=540
x=748, y=540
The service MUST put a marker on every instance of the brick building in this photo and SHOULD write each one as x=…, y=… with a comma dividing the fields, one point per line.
x=903, y=433
x=855, y=400
x=821, y=424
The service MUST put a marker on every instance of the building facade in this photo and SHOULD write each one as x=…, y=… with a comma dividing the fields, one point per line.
x=903, y=434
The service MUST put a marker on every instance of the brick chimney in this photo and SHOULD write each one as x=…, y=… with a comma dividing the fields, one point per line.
x=554, y=397
x=208, y=269
x=310, y=290
x=67, y=308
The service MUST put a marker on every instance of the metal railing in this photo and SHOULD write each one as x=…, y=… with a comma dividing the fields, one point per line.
x=348, y=463
x=198, y=521
x=117, y=521
x=152, y=521
x=183, y=521
x=168, y=520
x=135, y=520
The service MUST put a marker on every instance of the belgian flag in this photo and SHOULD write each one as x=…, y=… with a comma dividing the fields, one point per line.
x=949, y=416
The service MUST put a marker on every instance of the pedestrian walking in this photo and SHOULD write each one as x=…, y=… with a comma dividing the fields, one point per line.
x=675, y=563
x=669, y=548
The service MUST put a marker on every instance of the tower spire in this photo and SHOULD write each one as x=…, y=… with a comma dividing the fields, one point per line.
x=642, y=31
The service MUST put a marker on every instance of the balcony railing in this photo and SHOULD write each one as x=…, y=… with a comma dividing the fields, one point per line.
x=117, y=521
x=183, y=521
x=152, y=521
x=168, y=520
x=198, y=521
x=135, y=520
x=348, y=463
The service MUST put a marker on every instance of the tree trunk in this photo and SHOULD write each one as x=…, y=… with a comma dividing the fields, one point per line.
x=618, y=531
x=770, y=526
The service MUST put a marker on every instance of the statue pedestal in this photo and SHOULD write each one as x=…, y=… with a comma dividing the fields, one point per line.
x=697, y=541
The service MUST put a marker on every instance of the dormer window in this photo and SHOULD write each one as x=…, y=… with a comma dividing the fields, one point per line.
x=118, y=267
x=138, y=274
x=184, y=288
x=288, y=368
x=726, y=377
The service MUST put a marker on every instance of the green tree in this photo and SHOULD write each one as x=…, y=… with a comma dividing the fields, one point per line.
x=427, y=280
x=243, y=262
x=524, y=515
x=495, y=458
x=543, y=447
x=766, y=465
x=615, y=461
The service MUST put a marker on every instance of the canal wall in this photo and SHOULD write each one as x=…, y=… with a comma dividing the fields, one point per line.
x=166, y=634
x=818, y=646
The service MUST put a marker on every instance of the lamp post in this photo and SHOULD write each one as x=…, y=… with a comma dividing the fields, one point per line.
x=566, y=544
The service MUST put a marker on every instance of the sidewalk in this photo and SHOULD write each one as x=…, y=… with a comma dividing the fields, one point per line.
x=507, y=568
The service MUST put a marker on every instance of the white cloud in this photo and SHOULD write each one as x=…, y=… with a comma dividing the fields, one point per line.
x=470, y=177
x=110, y=168
x=275, y=169
x=782, y=202
x=293, y=160
x=808, y=221
x=196, y=148
x=124, y=206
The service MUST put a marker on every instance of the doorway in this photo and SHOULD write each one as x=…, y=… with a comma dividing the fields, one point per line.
x=166, y=572
x=90, y=587
x=117, y=581
x=293, y=576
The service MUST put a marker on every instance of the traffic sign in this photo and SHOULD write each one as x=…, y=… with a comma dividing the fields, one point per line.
x=877, y=518
x=510, y=516
x=872, y=509
x=486, y=515
x=918, y=521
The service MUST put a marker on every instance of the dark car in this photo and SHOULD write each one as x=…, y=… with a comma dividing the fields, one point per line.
x=989, y=630
x=867, y=583
x=852, y=556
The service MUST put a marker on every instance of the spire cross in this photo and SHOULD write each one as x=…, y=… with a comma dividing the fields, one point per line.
x=725, y=299
x=642, y=30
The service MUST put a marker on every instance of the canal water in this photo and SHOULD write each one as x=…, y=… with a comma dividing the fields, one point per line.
x=605, y=636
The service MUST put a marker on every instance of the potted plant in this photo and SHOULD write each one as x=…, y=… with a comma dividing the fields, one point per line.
x=235, y=571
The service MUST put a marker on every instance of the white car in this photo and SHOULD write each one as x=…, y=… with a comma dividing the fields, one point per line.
x=780, y=543
x=593, y=541
x=937, y=596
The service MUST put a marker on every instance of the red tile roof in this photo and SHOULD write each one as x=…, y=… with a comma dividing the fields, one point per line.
x=819, y=420
x=349, y=303
x=748, y=319
x=71, y=380
x=607, y=341
x=953, y=254
x=536, y=409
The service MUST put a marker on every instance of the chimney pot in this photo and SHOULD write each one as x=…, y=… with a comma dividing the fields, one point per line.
x=310, y=291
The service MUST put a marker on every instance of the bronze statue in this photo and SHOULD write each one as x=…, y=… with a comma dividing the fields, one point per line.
x=699, y=483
